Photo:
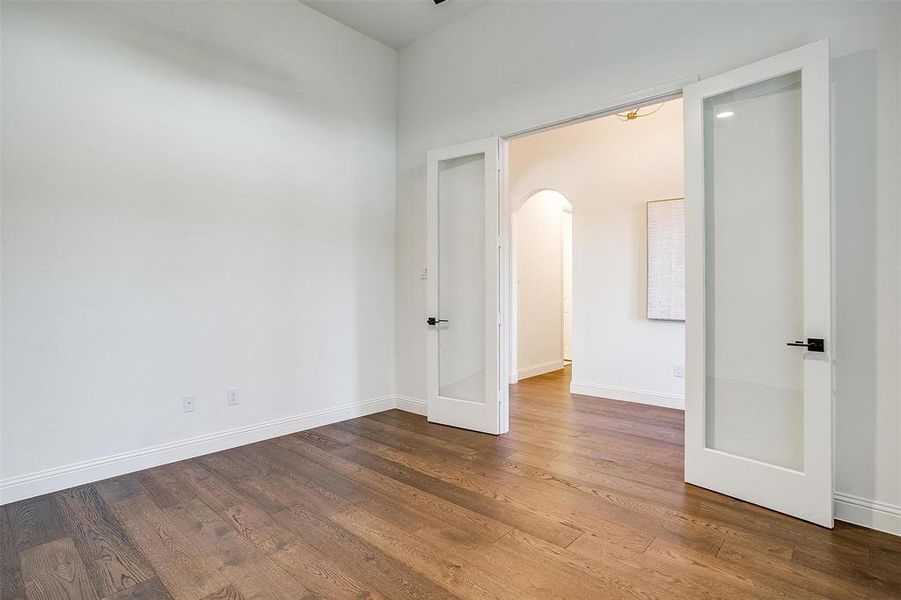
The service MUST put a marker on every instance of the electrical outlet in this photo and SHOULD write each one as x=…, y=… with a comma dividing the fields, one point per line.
x=187, y=403
x=679, y=371
x=232, y=396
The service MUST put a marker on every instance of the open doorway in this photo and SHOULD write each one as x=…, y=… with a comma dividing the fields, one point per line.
x=756, y=167
x=580, y=255
x=542, y=272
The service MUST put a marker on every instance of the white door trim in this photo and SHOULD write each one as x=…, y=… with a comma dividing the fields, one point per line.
x=602, y=108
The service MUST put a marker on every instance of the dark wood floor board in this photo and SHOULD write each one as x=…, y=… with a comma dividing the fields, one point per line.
x=235, y=558
x=314, y=476
x=236, y=464
x=601, y=472
x=163, y=487
x=183, y=568
x=229, y=592
x=234, y=507
x=616, y=441
x=598, y=553
x=291, y=493
x=473, y=555
x=118, y=488
x=270, y=488
x=564, y=506
x=717, y=509
x=445, y=571
x=496, y=506
x=450, y=514
x=877, y=581
x=112, y=562
x=453, y=435
x=862, y=536
x=592, y=429
x=317, y=572
x=637, y=459
x=657, y=506
x=326, y=577
x=585, y=508
x=715, y=574
x=315, y=437
x=275, y=493
x=615, y=578
x=152, y=589
x=579, y=408
x=886, y=559
x=34, y=522
x=366, y=562
x=766, y=565
x=539, y=568
x=54, y=570
x=554, y=393
x=410, y=441
x=11, y=585
x=301, y=560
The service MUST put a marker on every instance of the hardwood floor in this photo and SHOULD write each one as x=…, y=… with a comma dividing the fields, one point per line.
x=582, y=499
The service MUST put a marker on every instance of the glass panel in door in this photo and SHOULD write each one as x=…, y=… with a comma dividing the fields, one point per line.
x=461, y=278
x=754, y=284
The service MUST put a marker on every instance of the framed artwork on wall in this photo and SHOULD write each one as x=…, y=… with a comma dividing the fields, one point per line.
x=666, y=260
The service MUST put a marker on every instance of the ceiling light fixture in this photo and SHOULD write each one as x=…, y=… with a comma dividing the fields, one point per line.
x=725, y=114
x=635, y=114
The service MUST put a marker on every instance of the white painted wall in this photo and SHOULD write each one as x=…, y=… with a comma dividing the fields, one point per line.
x=196, y=196
x=568, y=282
x=609, y=170
x=510, y=63
x=538, y=226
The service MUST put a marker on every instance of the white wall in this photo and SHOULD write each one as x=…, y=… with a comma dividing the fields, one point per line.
x=538, y=236
x=609, y=170
x=510, y=63
x=196, y=196
x=568, y=282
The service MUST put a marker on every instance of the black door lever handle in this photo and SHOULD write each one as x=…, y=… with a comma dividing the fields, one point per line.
x=434, y=321
x=812, y=344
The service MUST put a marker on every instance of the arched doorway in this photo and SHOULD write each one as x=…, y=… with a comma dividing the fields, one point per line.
x=541, y=284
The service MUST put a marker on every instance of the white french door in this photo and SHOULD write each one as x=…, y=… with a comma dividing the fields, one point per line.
x=463, y=325
x=758, y=423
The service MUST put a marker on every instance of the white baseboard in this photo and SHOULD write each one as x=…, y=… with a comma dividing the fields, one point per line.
x=627, y=394
x=60, y=478
x=539, y=369
x=848, y=508
x=868, y=513
x=411, y=405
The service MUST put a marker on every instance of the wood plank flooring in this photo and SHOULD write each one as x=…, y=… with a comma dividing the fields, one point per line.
x=582, y=499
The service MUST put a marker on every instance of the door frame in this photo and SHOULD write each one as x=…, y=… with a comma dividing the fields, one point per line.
x=603, y=108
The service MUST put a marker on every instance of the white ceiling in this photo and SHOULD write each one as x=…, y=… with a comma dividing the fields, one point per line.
x=395, y=22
